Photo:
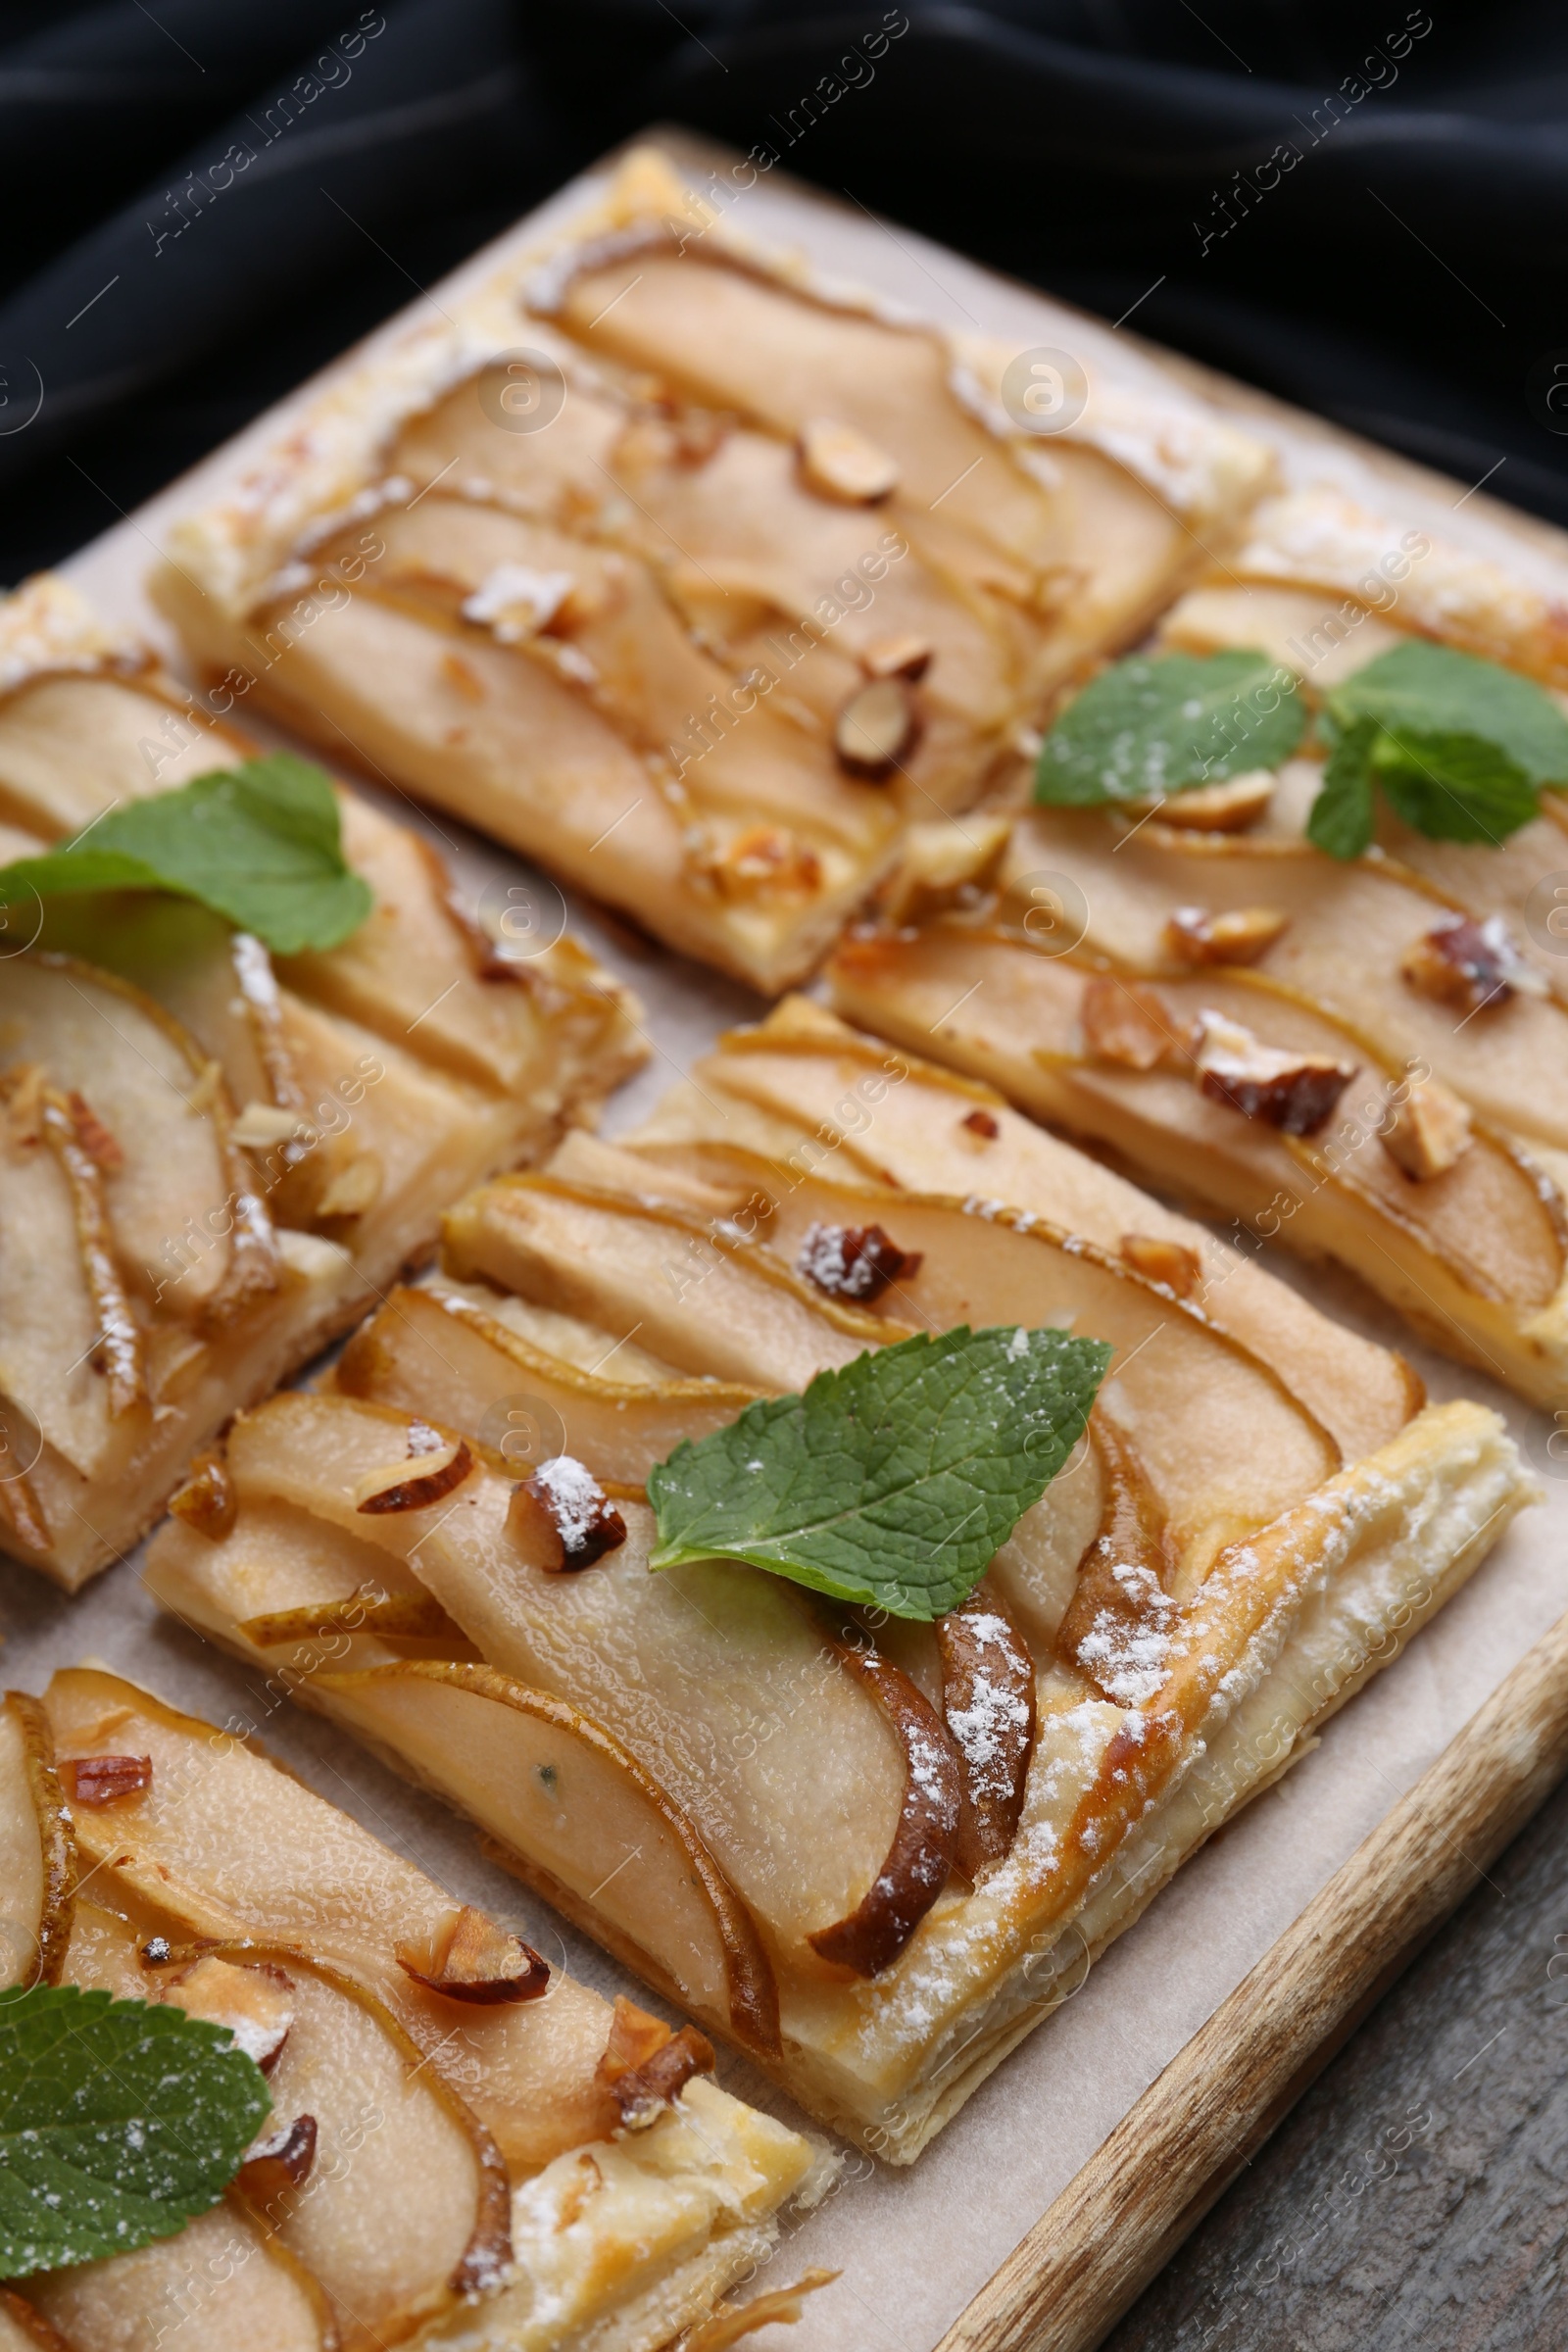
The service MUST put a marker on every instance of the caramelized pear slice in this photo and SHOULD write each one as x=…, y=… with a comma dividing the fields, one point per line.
x=988, y=1705
x=224, y=2277
x=24, y=2330
x=37, y=1850
x=407, y=2206
x=70, y=746
x=389, y=1617
x=1474, y=1257
x=804, y=1089
x=433, y=1351
x=575, y=1815
x=710, y=1658
x=690, y=1290
x=226, y=1846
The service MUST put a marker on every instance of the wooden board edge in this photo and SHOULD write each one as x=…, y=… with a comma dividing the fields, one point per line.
x=1122, y=2217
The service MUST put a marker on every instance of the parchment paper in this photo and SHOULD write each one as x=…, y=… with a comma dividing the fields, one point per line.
x=914, y=2246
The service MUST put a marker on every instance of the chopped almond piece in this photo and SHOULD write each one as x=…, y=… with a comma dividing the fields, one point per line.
x=1429, y=1131
x=1125, y=1022
x=1228, y=807
x=1469, y=964
x=981, y=1125
x=473, y=1959
x=583, y=1520
x=898, y=658
x=854, y=1261
x=207, y=1501
x=645, y=2065
x=352, y=1190
x=254, y=2003
x=941, y=861
x=446, y=1463
x=841, y=464
x=1294, y=1091
x=764, y=862
x=1179, y=1268
x=263, y=1126
x=280, y=2161
x=876, y=729
x=105, y=1780
x=1239, y=937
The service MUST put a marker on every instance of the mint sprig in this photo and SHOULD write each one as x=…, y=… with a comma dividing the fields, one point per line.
x=1459, y=747
x=1149, y=727
x=893, y=1482
x=260, y=844
x=119, y=2122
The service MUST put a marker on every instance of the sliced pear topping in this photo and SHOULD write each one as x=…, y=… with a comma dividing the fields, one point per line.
x=841, y=464
x=1295, y=1092
x=988, y=1705
x=38, y=1849
x=443, y=1463
x=256, y=2004
x=106, y=1779
x=1171, y=1263
x=206, y=1501
x=646, y=2067
x=876, y=729
x=581, y=1521
x=1430, y=1130
x=389, y=1616
x=1241, y=935
x=119, y=1351
x=1117, y=1629
x=920, y=1859
x=469, y=1958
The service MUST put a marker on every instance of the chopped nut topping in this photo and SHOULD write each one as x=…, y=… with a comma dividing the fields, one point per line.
x=1127, y=1022
x=94, y=1137
x=1469, y=964
x=1294, y=1091
x=207, y=1501
x=841, y=464
x=876, y=729
x=898, y=658
x=263, y=1125
x=1239, y=936
x=585, y=1521
x=1428, y=1130
x=515, y=601
x=105, y=1780
x=1212, y=808
x=351, y=1189
x=254, y=2003
x=473, y=1959
x=279, y=2161
x=446, y=1463
x=764, y=862
x=1179, y=1268
x=645, y=2065
x=981, y=1125
x=854, y=1261
x=942, y=862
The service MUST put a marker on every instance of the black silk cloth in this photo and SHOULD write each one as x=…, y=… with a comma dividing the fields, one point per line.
x=1359, y=204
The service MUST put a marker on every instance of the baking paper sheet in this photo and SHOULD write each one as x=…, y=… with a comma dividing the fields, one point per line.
x=914, y=2246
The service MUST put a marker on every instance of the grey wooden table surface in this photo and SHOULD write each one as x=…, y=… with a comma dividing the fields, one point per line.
x=1418, y=2194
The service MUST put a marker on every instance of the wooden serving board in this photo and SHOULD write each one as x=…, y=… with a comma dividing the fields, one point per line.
x=1076, y=2171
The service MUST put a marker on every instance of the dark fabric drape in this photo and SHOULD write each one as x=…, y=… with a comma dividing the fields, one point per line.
x=1362, y=207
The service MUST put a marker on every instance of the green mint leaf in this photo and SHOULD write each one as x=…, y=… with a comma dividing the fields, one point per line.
x=258, y=844
x=119, y=2122
x=893, y=1482
x=1147, y=727
x=1453, y=787
x=1342, y=817
x=1429, y=689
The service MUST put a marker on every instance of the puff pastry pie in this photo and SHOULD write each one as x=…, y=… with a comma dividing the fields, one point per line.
x=466, y=2146
x=210, y=1160
x=873, y=1852
x=693, y=576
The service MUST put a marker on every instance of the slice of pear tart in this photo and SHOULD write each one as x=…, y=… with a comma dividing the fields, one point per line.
x=695, y=579
x=466, y=2145
x=212, y=1158
x=1333, y=1057
x=875, y=1842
